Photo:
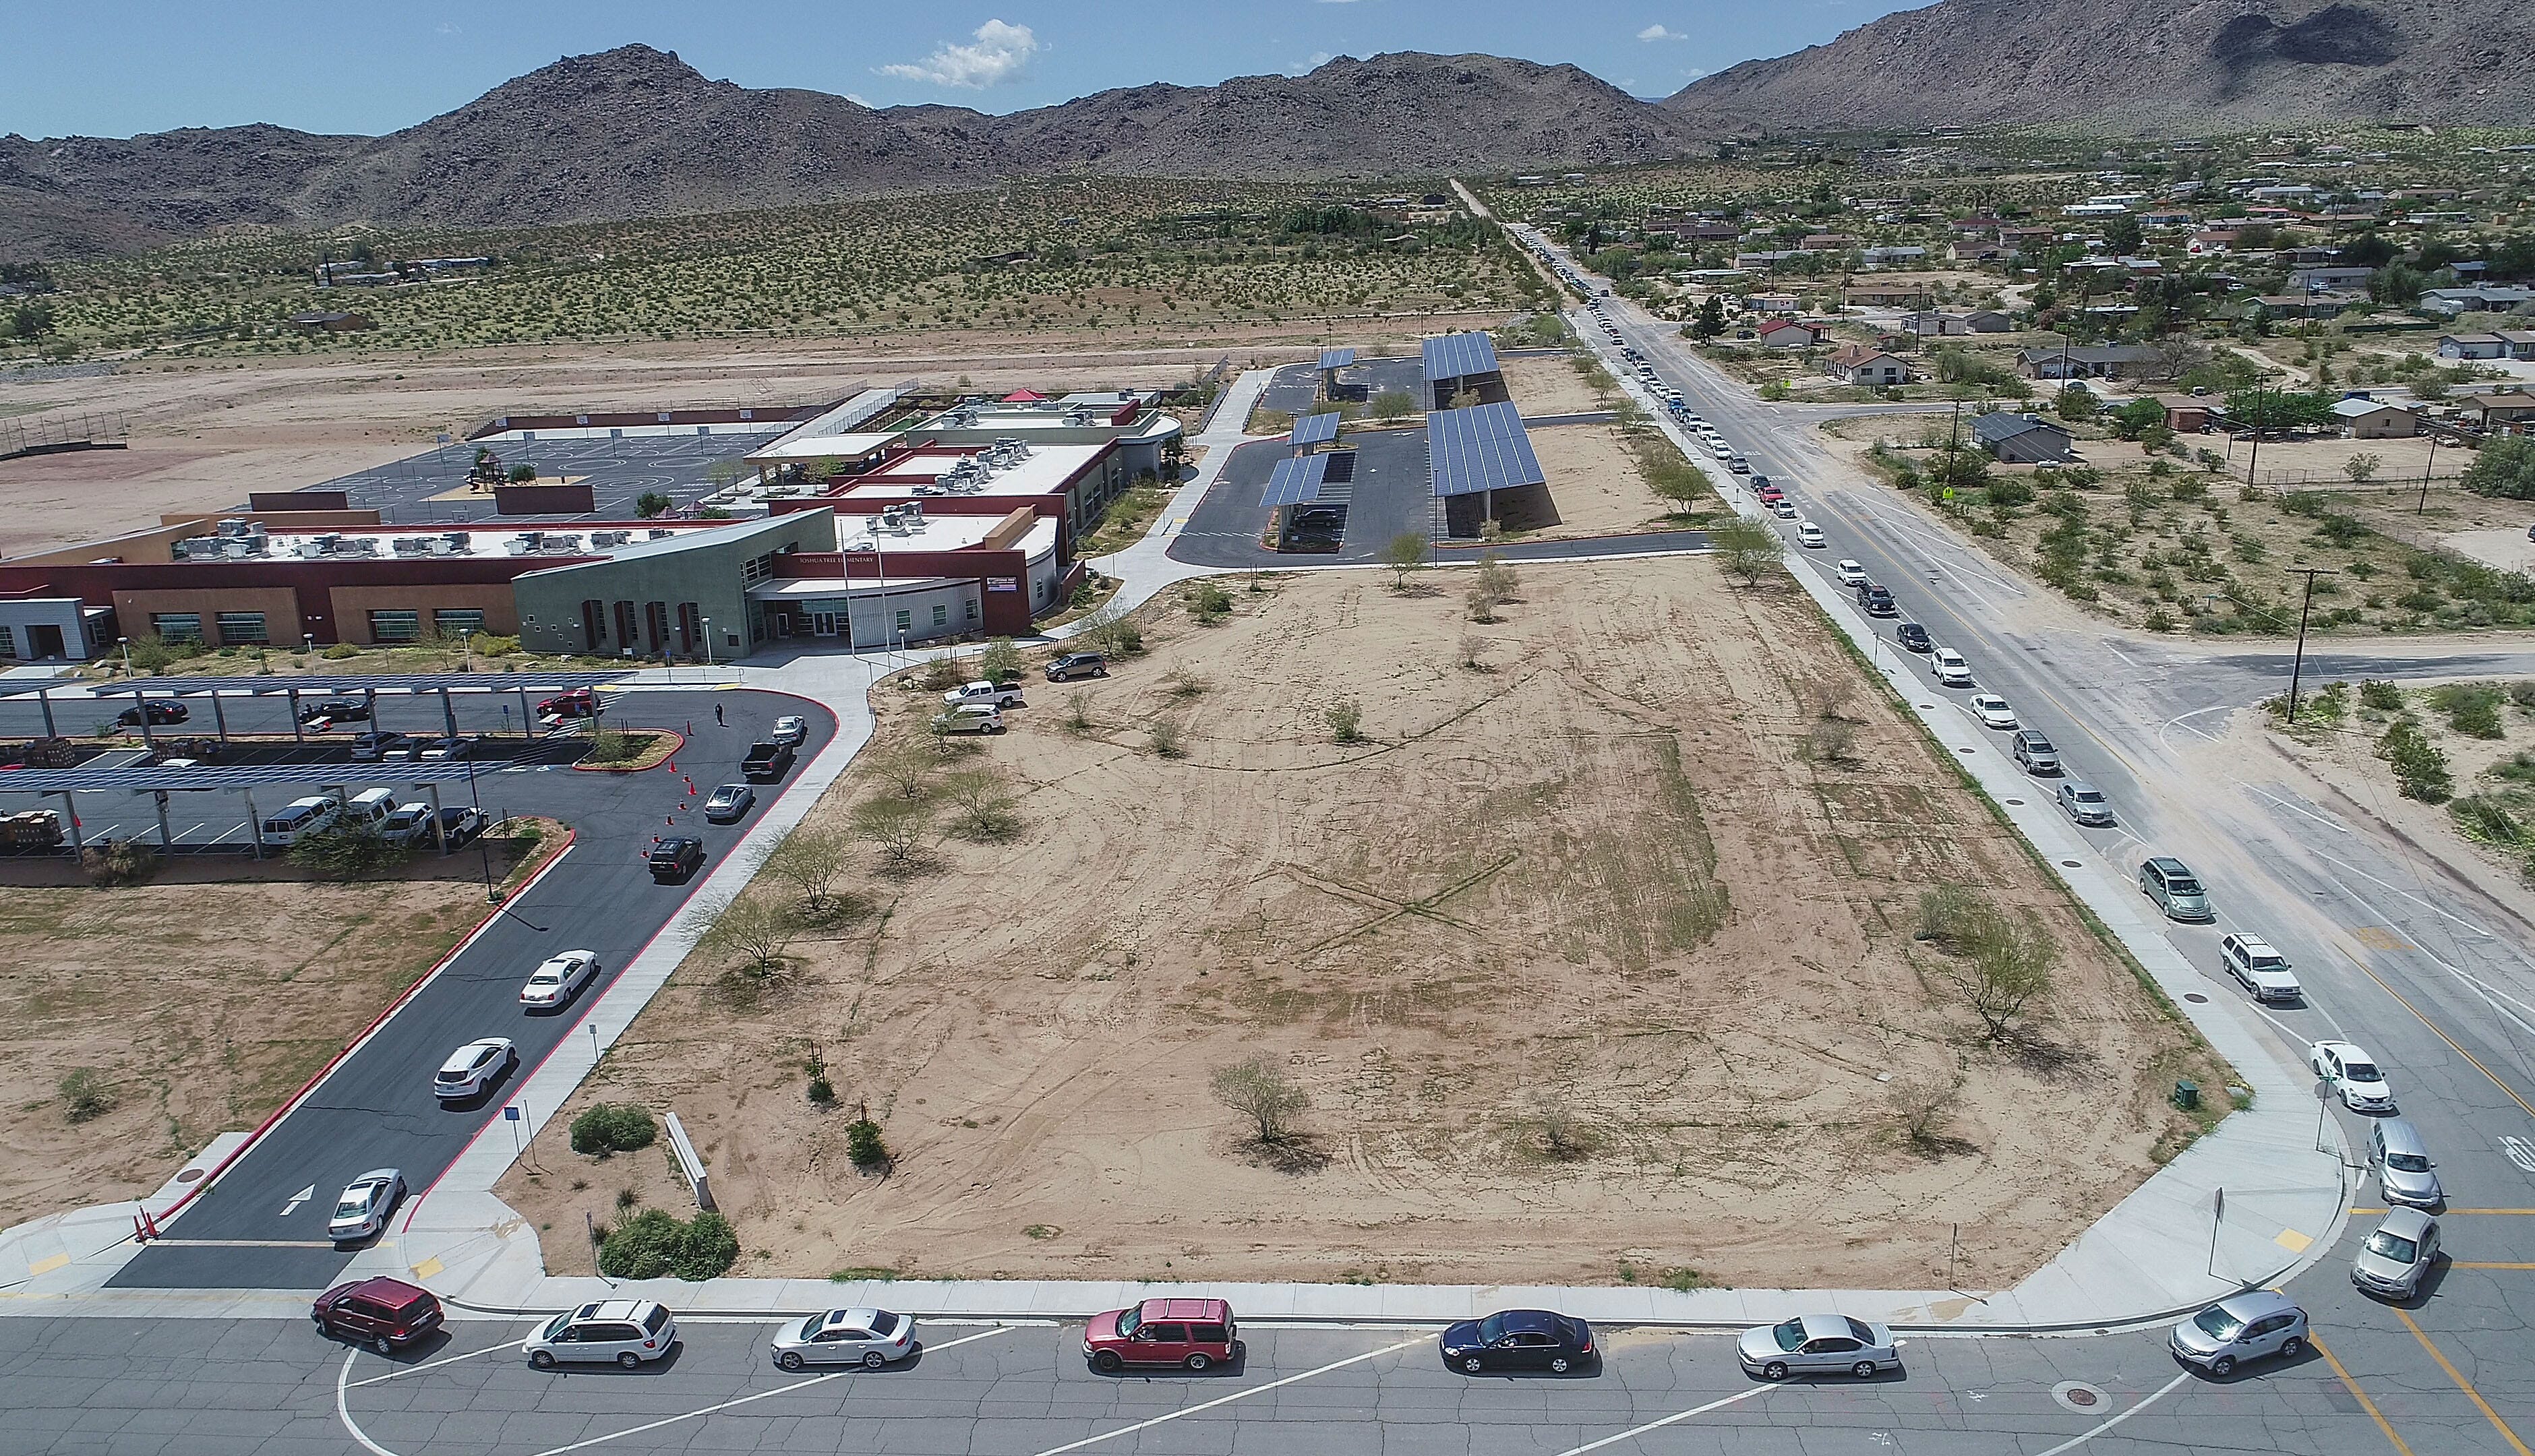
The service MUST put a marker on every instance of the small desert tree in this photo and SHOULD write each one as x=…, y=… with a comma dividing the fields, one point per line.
x=896, y=828
x=750, y=930
x=808, y=860
x=1345, y=718
x=983, y=808
x=1407, y=553
x=2007, y=964
x=1747, y=548
x=2362, y=467
x=1002, y=662
x=1391, y=404
x=1262, y=1091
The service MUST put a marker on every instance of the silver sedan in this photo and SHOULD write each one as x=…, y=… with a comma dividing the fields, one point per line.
x=870, y=1338
x=1819, y=1344
x=365, y=1205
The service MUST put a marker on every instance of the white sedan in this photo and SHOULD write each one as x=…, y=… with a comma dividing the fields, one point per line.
x=2349, y=1071
x=472, y=1068
x=365, y=1205
x=559, y=980
x=1993, y=710
x=789, y=730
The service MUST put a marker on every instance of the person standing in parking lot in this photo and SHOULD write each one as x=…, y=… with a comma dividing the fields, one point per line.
x=717, y=722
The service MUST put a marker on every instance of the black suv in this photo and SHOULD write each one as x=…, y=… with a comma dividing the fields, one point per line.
x=1913, y=638
x=1877, y=601
x=1077, y=665
x=159, y=712
x=675, y=857
x=336, y=710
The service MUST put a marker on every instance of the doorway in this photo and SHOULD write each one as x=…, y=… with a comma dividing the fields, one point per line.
x=823, y=624
x=43, y=642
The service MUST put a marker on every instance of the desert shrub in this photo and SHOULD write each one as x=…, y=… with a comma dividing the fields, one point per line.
x=1345, y=718
x=2472, y=708
x=609, y=1128
x=113, y=861
x=1942, y=912
x=613, y=746
x=1002, y=662
x=2384, y=696
x=2487, y=819
x=1263, y=1093
x=984, y=808
x=863, y=1145
x=1169, y=739
x=348, y=852
x=85, y=1095
x=1208, y=603
x=2420, y=768
x=654, y=1244
x=340, y=650
x=940, y=675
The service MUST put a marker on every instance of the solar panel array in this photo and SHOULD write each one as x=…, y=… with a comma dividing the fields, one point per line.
x=1459, y=355
x=1296, y=479
x=1482, y=447
x=1313, y=429
x=1337, y=358
x=242, y=776
x=410, y=683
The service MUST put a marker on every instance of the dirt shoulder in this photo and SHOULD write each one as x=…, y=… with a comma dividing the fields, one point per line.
x=195, y=1023
x=1591, y=961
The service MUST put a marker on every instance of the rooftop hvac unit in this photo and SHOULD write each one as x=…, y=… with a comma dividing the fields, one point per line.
x=561, y=541
x=241, y=548
x=358, y=546
x=658, y=534
x=442, y=546
x=199, y=548
x=327, y=540
x=610, y=538
x=457, y=539
x=912, y=513
x=410, y=545
x=239, y=526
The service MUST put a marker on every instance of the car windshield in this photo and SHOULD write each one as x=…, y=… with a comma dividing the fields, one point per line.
x=1790, y=1335
x=1131, y=1320
x=2359, y=1071
x=1492, y=1329
x=2183, y=884
x=2407, y=1162
x=811, y=1326
x=554, y=1326
x=2217, y=1323
x=883, y=1323
x=353, y=1206
x=2386, y=1244
x=2087, y=795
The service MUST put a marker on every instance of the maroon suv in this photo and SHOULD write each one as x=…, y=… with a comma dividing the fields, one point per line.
x=382, y=1314
x=1194, y=1334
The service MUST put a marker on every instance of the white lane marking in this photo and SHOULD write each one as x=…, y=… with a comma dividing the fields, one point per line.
x=2324, y=819
x=2406, y=894
x=1224, y=1400
x=2518, y=1151
x=302, y=1196
x=433, y=1365
x=2177, y=720
x=2160, y=1393
x=797, y=1385
x=1675, y=1418
x=344, y=1408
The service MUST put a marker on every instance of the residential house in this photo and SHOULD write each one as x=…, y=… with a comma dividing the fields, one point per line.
x=1988, y=321
x=1884, y=295
x=1883, y=256
x=2028, y=239
x=2520, y=341
x=2020, y=439
x=1865, y=364
x=330, y=323
x=2213, y=241
x=1979, y=227
x=1772, y=303
x=2501, y=408
x=1764, y=262
x=1934, y=323
x=2375, y=419
x=2090, y=361
x=2472, y=346
x=2184, y=415
x=1828, y=242
x=2480, y=298
x=1980, y=251
x=2303, y=305
x=2330, y=280
x=1787, y=333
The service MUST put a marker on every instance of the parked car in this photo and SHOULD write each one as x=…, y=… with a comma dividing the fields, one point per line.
x=2034, y=753
x=1783, y=508
x=1850, y=573
x=365, y=1205
x=870, y=1338
x=371, y=748
x=789, y=729
x=766, y=762
x=2401, y=1161
x=558, y=979
x=2086, y=803
x=2245, y=1327
x=726, y=803
x=300, y=817
x=382, y=1314
x=473, y=1068
x=159, y=711
x=971, y=717
x=1819, y=1344
x=1950, y=668
x=461, y=824
x=2258, y=967
x=1993, y=710
x=335, y=710
x=1769, y=495
x=407, y=823
x=1763, y=483
x=1517, y=1340
x=455, y=746
x=2177, y=891
x=1077, y=665
x=675, y=857
x=1193, y=1334
x=2398, y=1255
x=1809, y=536
x=993, y=694
x=1877, y=601
x=579, y=702
x=1738, y=464
x=2347, y=1069
x=1911, y=636
x=626, y=1331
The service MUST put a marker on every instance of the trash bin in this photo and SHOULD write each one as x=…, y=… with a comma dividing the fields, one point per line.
x=2186, y=1096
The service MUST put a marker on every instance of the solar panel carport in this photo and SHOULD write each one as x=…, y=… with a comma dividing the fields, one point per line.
x=243, y=781
x=1296, y=479
x=1459, y=362
x=295, y=688
x=1474, y=453
x=1335, y=359
x=1313, y=429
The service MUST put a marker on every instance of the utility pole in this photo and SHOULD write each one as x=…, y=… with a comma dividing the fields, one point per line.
x=2424, y=506
x=2254, y=458
x=2297, y=668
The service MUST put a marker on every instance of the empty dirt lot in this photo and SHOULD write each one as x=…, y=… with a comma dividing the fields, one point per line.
x=1597, y=877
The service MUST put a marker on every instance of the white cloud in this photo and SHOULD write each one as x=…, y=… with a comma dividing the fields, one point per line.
x=1000, y=53
x=1319, y=58
x=1658, y=33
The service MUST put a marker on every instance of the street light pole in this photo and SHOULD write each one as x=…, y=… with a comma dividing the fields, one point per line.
x=466, y=644
x=2297, y=668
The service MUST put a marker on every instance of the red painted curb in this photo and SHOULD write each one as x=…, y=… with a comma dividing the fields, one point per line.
x=627, y=768
x=363, y=1035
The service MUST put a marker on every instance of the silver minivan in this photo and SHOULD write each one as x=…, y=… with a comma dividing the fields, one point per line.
x=629, y=1332
x=2401, y=1162
x=2176, y=889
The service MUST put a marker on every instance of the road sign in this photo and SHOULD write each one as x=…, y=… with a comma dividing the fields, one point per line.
x=511, y=1113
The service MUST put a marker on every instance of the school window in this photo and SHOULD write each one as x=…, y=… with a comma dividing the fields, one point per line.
x=451, y=621
x=905, y=620
x=756, y=569
x=971, y=604
x=8, y=641
x=177, y=626
x=243, y=628
x=940, y=614
x=395, y=627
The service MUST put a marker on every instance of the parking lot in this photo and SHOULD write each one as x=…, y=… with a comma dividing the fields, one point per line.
x=432, y=486
x=1390, y=495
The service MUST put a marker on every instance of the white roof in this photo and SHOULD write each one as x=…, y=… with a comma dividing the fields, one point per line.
x=2353, y=408
x=825, y=447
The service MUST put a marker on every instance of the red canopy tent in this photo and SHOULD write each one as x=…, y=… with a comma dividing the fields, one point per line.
x=1024, y=396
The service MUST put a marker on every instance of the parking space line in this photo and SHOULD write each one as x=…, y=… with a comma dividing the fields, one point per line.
x=1225, y=1400
x=2358, y=1394
x=2151, y=1398
x=1675, y=1418
x=2463, y=1383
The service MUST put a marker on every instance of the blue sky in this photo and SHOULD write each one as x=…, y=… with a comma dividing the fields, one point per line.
x=113, y=68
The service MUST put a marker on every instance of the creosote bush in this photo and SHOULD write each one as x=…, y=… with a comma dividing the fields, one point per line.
x=610, y=1127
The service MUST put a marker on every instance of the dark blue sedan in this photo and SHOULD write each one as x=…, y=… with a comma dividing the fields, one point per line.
x=1518, y=1340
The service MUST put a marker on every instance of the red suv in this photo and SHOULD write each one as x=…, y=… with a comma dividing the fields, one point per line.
x=382, y=1314
x=1196, y=1334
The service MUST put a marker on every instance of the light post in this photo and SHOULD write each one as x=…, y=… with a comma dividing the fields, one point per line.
x=125, y=643
x=466, y=644
x=708, y=650
x=308, y=643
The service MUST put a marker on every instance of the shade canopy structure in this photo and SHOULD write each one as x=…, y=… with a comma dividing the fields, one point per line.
x=1313, y=429
x=275, y=686
x=1335, y=359
x=1296, y=479
x=1482, y=447
x=1457, y=356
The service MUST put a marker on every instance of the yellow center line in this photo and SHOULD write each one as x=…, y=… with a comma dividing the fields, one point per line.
x=2359, y=1395
x=2441, y=1036
x=2463, y=1383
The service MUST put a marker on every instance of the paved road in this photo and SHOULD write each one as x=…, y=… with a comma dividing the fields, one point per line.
x=377, y=1108
x=2364, y=916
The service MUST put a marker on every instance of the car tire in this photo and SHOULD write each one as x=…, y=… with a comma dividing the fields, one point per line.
x=1472, y=1364
x=1561, y=1365
x=630, y=1360
x=1198, y=1361
x=787, y=1359
x=2293, y=1346
x=873, y=1360
x=382, y=1345
x=2223, y=1365
x=543, y=1358
x=1107, y=1363
x=1864, y=1369
x=1775, y=1369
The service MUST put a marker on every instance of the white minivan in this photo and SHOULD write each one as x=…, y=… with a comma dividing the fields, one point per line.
x=300, y=817
x=368, y=810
